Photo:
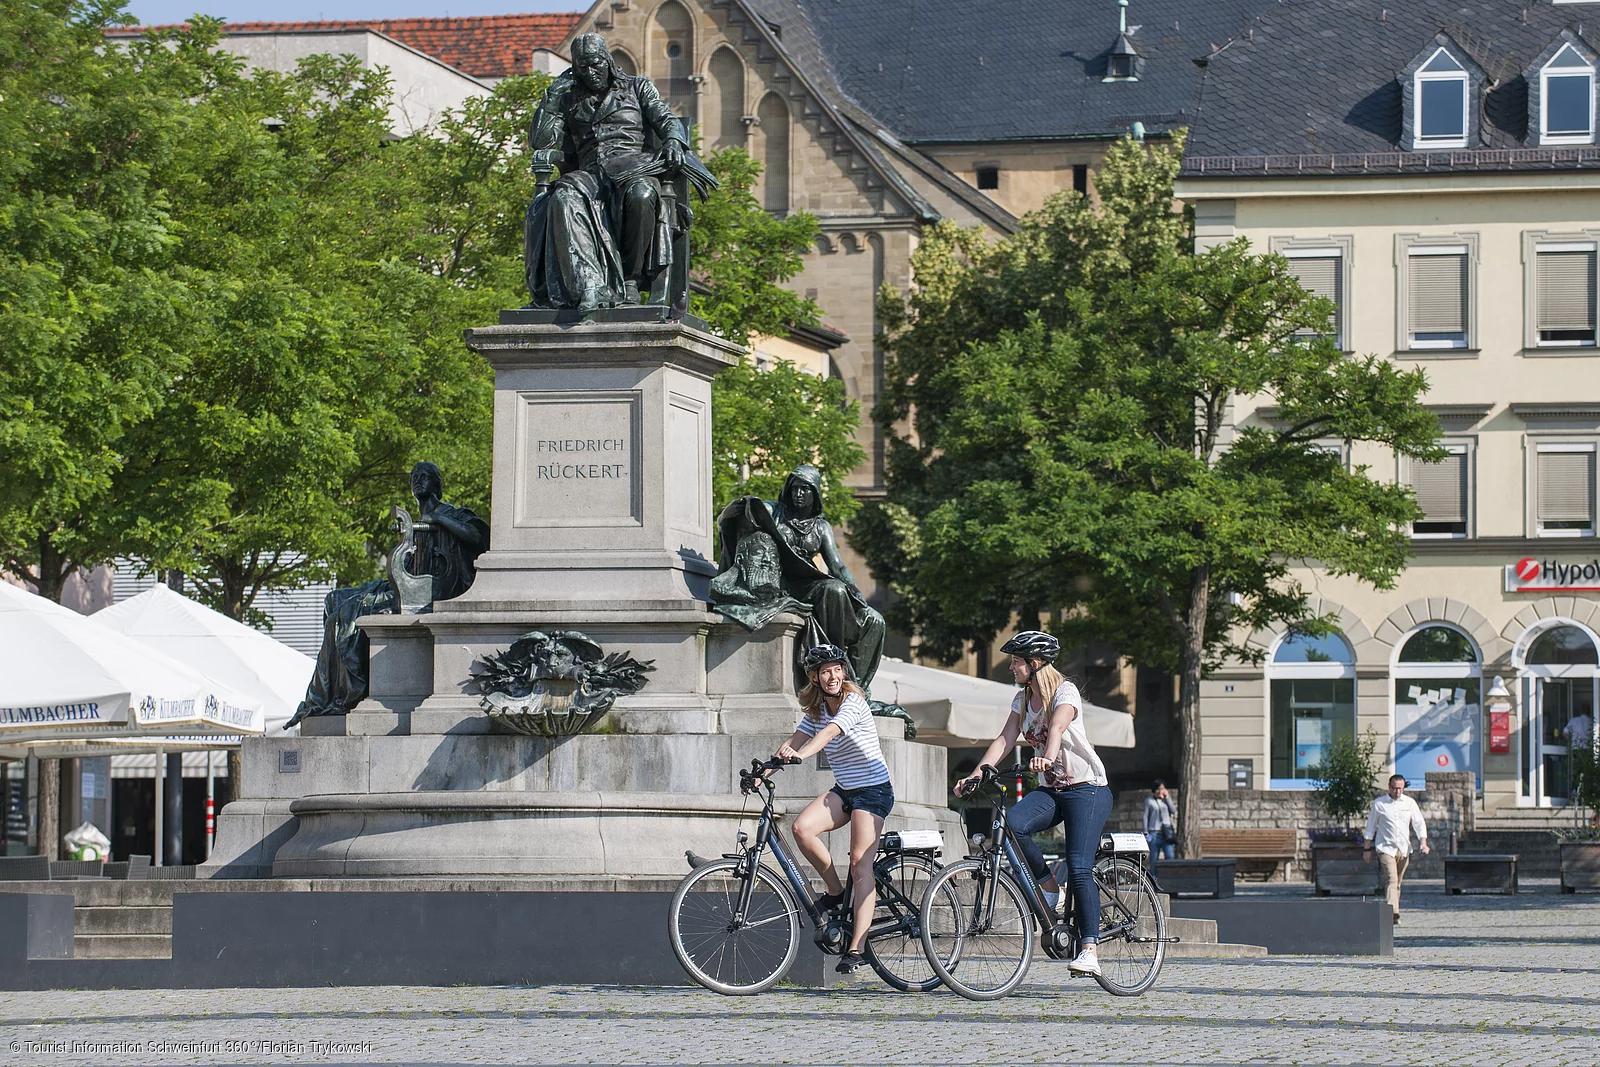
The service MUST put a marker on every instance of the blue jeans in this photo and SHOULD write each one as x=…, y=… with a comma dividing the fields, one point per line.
x=1082, y=810
x=1160, y=847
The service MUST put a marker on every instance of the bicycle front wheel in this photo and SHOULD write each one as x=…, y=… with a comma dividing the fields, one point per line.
x=977, y=930
x=1133, y=928
x=729, y=951
x=895, y=950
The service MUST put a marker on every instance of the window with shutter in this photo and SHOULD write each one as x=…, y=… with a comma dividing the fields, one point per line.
x=1437, y=298
x=1566, y=489
x=1441, y=490
x=1324, y=276
x=1565, y=284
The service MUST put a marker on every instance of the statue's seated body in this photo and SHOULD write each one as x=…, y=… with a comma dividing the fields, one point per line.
x=766, y=567
x=599, y=236
x=446, y=543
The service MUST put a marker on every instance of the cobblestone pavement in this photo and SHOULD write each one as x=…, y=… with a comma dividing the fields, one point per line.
x=1474, y=980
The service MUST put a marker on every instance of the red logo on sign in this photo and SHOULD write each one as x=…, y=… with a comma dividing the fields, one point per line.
x=1444, y=761
x=1527, y=569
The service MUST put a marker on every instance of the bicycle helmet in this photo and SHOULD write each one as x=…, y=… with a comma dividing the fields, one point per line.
x=1032, y=644
x=815, y=657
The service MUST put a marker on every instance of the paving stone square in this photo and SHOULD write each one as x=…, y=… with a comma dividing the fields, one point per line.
x=1478, y=980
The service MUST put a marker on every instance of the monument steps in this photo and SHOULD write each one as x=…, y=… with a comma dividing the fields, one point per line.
x=122, y=946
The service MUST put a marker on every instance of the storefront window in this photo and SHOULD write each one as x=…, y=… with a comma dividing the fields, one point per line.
x=1437, y=722
x=1561, y=645
x=1313, y=694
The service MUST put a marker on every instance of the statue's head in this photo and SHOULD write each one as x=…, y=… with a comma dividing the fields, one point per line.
x=592, y=64
x=426, y=481
x=802, y=492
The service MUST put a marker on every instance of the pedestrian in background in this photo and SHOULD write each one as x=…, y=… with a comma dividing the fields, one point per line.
x=1160, y=818
x=1389, y=825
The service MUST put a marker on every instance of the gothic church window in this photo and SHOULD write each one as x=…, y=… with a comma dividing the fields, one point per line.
x=724, y=110
x=672, y=56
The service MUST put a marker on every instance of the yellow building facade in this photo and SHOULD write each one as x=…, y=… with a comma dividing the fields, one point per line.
x=1479, y=267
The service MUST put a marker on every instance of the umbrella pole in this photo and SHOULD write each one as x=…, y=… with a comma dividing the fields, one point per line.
x=211, y=801
x=161, y=792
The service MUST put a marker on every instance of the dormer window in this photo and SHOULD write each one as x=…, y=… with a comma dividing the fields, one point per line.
x=1440, y=100
x=1566, y=90
x=1122, y=58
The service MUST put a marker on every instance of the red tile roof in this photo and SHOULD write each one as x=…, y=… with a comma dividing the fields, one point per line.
x=486, y=46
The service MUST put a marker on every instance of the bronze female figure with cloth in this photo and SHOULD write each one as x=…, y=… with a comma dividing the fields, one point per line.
x=447, y=542
x=768, y=548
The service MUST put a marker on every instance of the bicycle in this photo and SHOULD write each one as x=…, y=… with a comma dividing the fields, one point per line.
x=980, y=914
x=735, y=925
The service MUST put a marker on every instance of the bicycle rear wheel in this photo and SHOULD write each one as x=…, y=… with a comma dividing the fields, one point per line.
x=1132, y=928
x=725, y=951
x=981, y=952
x=896, y=953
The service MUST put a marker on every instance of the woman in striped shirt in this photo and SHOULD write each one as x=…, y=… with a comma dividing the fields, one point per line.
x=838, y=721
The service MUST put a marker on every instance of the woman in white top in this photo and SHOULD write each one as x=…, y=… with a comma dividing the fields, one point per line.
x=1048, y=714
x=838, y=721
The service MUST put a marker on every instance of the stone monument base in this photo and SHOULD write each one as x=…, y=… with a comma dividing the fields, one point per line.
x=601, y=523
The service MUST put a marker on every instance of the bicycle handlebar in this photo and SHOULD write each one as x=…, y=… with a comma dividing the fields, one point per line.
x=988, y=775
x=759, y=771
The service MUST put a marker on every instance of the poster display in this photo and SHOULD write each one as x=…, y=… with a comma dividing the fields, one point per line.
x=1436, y=727
x=1311, y=739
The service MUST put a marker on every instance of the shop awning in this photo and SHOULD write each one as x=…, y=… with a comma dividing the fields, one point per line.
x=960, y=711
x=68, y=677
x=238, y=656
x=90, y=747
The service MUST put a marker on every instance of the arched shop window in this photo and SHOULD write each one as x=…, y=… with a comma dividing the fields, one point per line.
x=1312, y=687
x=1561, y=645
x=1438, y=679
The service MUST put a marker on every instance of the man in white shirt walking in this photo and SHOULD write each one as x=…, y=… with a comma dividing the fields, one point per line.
x=1389, y=824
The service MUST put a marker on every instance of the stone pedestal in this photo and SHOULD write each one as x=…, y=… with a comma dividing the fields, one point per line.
x=601, y=522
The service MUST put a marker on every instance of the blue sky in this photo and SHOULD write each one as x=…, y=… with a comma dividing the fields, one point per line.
x=156, y=12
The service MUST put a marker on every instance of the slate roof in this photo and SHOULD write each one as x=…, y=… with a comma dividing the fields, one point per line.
x=487, y=46
x=1312, y=85
x=934, y=71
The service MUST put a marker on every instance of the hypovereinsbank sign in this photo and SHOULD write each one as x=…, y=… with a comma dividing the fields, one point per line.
x=1530, y=575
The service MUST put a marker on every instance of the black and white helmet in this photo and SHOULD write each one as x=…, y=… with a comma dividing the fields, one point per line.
x=1033, y=644
x=819, y=655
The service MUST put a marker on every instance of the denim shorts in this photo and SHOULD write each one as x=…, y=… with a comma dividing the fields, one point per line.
x=877, y=799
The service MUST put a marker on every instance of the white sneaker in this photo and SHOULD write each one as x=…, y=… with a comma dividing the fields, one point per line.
x=1088, y=962
x=1052, y=901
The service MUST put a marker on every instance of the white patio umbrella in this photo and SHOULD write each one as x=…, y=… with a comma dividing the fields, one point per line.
x=959, y=711
x=67, y=677
x=238, y=656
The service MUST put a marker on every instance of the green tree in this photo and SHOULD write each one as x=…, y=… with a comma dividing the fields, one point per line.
x=251, y=475
x=1345, y=776
x=233, y=306
x=93, y=298
x=1062, y=441
x=765, y=423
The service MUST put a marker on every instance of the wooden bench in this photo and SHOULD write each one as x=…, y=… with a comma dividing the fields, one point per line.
x=1270, y=845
